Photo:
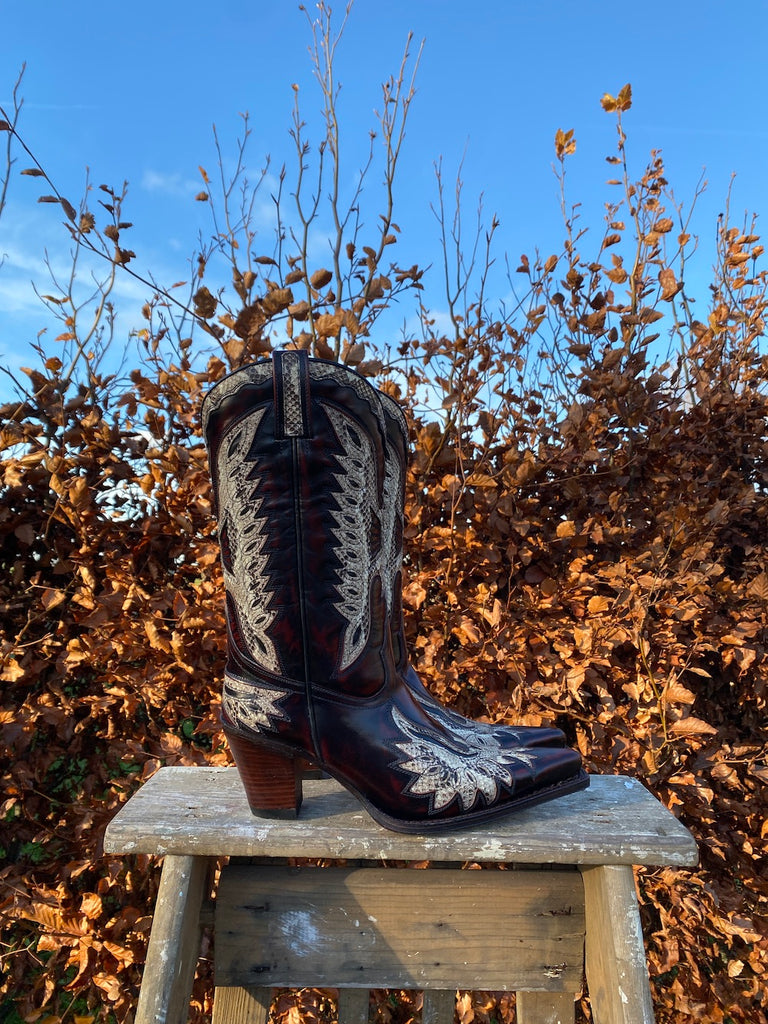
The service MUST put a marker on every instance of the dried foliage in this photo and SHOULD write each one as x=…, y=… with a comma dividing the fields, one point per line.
x=586, y=537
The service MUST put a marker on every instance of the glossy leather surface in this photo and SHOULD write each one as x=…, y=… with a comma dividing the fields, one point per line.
x=310, y=519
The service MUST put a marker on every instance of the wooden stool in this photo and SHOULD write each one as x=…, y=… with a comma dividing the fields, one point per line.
x=570, y=906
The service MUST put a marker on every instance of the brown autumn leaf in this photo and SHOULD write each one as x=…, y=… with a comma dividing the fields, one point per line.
x=691, y=726
x=669, y=284
x=612, y=357
x=548, y=587
x=109, y=984
x=354, y=354
x=676, y=693
x=79, y=494
x=465, y=1009
x=481, y=480
x=493, y=615
x=123, y=256
x=624, y=99
x=276, y=300
x=12, y=671
x=51, y=598
x=328, y=325
x=67, y=925
x=91, y=905
x=300, y=310
x=26, y=532
x=580, y=349
x=649, y=315
x=759, y=587
x=248, y=326
x=320, y=279
x=565, y=143
x=621, y=102
x=414, y=594
x=205, y=303
x=468, y=629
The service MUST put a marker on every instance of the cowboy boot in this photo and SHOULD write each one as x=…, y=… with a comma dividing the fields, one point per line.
x=526, y=736
x=305, y=488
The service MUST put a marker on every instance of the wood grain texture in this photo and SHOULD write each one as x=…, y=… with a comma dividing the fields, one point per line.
x=203, y=811
x=241, y=1005
x=384, y=928
x=545, y=1008
x=174, y=943
x=354, y=1005
x=617, y=975
x=439, y=1006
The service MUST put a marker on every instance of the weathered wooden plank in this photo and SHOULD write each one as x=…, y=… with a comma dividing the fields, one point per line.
x=617, y=975
x=204, y=811
x=545, y=1008
x=241, y=1005
x=174, y=943
x=375, y=928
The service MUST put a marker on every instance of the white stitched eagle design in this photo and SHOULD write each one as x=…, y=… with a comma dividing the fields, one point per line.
x=357, y=500
x=242, y=530
x=467, y=764
x=252, y=706
x=391, y=512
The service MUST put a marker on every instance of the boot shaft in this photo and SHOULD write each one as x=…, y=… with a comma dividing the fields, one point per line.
x=308, y=488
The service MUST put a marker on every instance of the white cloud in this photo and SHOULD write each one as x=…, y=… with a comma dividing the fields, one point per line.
x=175, y=184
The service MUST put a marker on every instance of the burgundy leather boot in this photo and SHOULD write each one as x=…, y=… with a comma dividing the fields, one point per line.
x=307, y=490
x=525, y=735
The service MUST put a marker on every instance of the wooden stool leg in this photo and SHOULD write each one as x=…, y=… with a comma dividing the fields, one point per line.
x=353, y=1005
x=617, y=974
x=545, y=1008
x=439, y=1006
x=174, y=943
x=241, y=1005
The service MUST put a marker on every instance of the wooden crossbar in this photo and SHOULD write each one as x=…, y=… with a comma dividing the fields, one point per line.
x=377, y=928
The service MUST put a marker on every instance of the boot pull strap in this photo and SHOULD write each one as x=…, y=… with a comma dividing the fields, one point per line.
x=290, y=379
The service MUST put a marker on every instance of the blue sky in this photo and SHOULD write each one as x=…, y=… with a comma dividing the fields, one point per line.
x=131, y=92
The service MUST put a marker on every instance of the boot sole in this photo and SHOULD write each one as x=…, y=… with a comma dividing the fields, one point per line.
x=540, y=796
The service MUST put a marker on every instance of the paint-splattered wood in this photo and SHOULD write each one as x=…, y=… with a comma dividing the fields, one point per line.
x=378, y=928
x=617, y=977
x=203, y=811
x=174, y=945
